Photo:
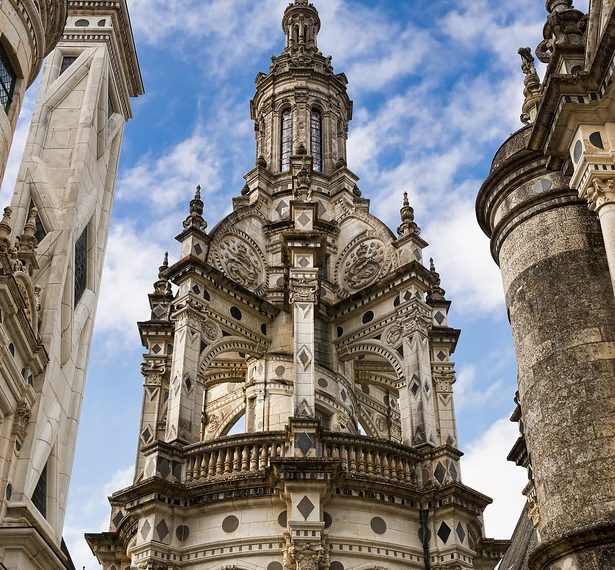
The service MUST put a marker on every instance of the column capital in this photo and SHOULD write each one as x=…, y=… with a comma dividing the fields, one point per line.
x=600, y=193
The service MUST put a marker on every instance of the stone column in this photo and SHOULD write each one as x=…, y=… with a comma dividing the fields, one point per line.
x=416, y=398
x=186, y=393
x=601, y=198
x=303, y=296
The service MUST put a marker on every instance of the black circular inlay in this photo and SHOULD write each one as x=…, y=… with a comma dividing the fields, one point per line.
x=264, y=328
x=322, y=382
x=596, y=140
x=336, y=565
x=365, y=389
x=230, y=524
x=274, y=566
x=397, y=301
x=236, y=313
x=368, y=317
x=182, y=533
x=328, y=520
x=578, y=151
x=9, y=492
x=378, y=525
x=343, y=394
x=340, y=332
x=283, y=519
x=279, y=371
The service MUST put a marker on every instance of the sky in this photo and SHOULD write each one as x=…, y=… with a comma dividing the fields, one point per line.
x=437, y=87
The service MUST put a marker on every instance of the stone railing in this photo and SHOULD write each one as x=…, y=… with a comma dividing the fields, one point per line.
x=234, y=456
x=371, y=457
x=248, y=454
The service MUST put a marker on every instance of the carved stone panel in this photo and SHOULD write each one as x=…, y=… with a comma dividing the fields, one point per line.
x=363, y=261
x=240, y=259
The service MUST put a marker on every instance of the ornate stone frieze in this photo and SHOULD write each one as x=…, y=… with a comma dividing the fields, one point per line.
x=305, y=556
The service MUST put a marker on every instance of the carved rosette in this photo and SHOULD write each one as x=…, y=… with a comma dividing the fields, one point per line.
x=239, y=258
x=363, y=261
x=210, y=330
x=303, y=291
x=393, y=335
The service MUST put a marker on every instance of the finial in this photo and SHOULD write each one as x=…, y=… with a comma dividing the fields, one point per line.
x=436, y=293
x=558, y=5
x=165, y=261
x=5, y=228
x=162, y=286
x=531, y=84
x=6, y=217
x=408, y=226
x=29, y=228
x=195, y=218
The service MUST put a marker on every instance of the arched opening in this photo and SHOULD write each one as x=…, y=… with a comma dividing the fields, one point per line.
x=286, y=140
x=316, y=139
x=237, y=427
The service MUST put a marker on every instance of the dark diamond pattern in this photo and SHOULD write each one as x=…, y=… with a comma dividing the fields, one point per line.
x=460, y=532
x=117, y=518
x=305, y=507
x=304, y=443
x=441, y=355
x=439, y=473
x=145, y=530
x=162, y=530
x=439, y=318
x=444, y=532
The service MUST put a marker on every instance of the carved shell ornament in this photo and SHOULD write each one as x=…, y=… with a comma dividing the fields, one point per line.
x=239, y=259
x=363, y=263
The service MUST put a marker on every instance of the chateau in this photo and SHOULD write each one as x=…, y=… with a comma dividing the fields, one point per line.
x=304, y=316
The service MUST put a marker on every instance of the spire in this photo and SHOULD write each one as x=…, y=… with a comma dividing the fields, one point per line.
x=436, y=293
x=162, y=286
x=195, y=218
x=301, y=24
x=408, y=226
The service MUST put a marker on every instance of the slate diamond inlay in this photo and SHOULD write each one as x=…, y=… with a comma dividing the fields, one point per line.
x=156, y=349
x=303, y=219
x=460, y=532
x=162, y=529
x=304, y=262
x=441, y=355
x=198, y=249
x=439, y=317
x=304, y=443
x=305, y=507
x=158, y=311
x=281, y=208
x=415, y=387
x=118, y=518
x=440, y=472
x=454, y=474
x=304, y=357
x=145, y=530
x=444, y=532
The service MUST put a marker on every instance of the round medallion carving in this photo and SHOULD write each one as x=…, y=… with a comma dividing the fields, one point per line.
x=393, y=335
x=362, y=263
x=240, y=260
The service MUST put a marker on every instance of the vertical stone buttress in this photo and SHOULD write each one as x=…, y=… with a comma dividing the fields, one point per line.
x=68, y=173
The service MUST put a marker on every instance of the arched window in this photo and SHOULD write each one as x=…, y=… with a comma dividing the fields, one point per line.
x=316, y=139
x=8, y=77
x=286, y=140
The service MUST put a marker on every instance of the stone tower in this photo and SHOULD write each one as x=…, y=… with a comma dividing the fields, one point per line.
x=304, y=314
x=548, y=206
x=62, y=201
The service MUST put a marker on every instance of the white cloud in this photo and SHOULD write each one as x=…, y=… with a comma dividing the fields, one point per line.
x=468, y=392
x=485, y=469
x=91, y=515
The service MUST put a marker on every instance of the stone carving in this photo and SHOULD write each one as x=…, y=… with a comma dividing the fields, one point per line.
x=364, y=264
x=153, y=371
x=303, y=291
x=601, y=192
x=239, y=261
x=210, y=330
x=21, y=420
x=393, y=335
x=565, y=27
x=306, y=556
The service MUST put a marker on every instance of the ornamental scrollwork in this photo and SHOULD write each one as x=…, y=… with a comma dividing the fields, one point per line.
x=21, y=420
x=306, y=556
x=393, y=335
x=601, y=192
x=303, y=291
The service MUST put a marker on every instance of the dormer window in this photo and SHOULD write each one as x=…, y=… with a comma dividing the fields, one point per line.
x=316, y=139
x=286, y=140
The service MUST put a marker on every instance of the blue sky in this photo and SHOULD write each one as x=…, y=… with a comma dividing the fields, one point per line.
x=437, y=87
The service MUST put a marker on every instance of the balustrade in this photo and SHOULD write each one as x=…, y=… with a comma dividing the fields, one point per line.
x=252, y=453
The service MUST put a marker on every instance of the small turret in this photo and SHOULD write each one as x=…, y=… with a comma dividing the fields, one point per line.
x=194, y=240
x=408, y=226
x=301, y=25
